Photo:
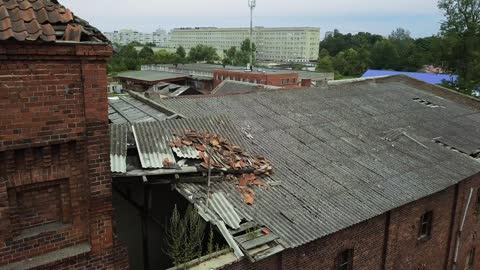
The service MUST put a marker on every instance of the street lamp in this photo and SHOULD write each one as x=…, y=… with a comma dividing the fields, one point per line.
x=251, y=4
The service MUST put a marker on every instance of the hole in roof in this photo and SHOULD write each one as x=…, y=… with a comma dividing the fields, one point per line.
x=475, y=154
x=427, y=103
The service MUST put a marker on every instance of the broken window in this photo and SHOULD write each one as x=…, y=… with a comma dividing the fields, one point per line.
x=426, y=225
x=345, y=260
x=470, y=260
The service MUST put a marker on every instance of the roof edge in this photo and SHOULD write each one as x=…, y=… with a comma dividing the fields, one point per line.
x=154, y=104
x=466, y=100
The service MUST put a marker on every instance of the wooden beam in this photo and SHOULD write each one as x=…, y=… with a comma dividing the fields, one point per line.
x=259, y=241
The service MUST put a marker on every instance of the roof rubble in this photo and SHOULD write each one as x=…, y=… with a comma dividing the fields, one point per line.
x=245, y=170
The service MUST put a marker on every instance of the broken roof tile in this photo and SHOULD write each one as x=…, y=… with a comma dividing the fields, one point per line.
x=34, y=20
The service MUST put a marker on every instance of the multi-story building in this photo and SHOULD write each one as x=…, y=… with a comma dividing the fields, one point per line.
x=292, y=44
x=123, y=37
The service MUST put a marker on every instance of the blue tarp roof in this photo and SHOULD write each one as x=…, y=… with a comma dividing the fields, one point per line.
x=426, y=77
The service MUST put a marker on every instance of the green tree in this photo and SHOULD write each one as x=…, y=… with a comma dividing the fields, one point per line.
x=181, y=52
x=461, y=30
x=325, y=64
x=146, y=55
x=184, y=236
x=384, y=55
x=202, y=53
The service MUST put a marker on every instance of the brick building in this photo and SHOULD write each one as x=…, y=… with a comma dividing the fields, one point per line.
x=373, y=174
x=55, y=183
x=266, y=77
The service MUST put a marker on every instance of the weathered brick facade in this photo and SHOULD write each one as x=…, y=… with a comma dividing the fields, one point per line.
x=283, y=80
x=55, y=185
x=391, y=241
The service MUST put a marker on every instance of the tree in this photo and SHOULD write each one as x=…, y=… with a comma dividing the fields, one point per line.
x=202, y=53
x=245, y=46
x=146, y=55
x=461, y=30
x=325, y=64
x=384, y=55
x=184, y=236
x=181, y=52
x=129, y=56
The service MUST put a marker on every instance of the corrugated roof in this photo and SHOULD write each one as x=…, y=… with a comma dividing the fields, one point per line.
x=225, y=210
x=45, y=20
x=426, y=77
x=153, y=138
x=150, y=76
x=118, y=147
x=152, y=145
x=235, y=87
x=126, y=109
x=333, y=167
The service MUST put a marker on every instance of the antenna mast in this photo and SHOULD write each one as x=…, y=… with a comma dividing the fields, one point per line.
x=251, y=4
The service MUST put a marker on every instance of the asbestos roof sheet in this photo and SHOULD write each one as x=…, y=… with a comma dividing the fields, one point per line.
x=126, y=109
x=44, y=20
x=333, y=167
x=153, y=138
x=118, y=147
x=149, y=75
x=235, y=87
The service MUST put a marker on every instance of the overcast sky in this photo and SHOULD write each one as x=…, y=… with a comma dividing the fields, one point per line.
x=421, y=17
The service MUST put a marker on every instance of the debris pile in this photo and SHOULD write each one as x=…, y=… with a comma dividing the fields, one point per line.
x=245, y=170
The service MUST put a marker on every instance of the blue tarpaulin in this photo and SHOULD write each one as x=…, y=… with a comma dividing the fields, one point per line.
x=426, y=77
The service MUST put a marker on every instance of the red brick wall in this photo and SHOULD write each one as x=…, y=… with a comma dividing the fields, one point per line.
x=469, y=237
x=364, y=238
x=403, y=249
x=404, y=246
x=54, y=150
x=268, y=79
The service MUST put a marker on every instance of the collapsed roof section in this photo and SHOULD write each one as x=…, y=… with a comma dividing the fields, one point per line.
x=180, y=148
x=44, y=20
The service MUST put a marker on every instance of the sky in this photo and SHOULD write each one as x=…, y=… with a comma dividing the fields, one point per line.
x=421, y=17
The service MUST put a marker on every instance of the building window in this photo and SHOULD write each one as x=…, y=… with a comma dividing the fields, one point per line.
x=470, y=260
x=426, y=225
x=477, y=206
x=345, y=260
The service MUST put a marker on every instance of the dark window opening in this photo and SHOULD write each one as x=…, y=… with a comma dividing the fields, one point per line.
x=426, y=225
x=477, y=205
x=345, y=260
x=470, y=260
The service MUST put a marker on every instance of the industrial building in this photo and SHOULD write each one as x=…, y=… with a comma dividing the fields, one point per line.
x=290, y=44
x=380, y=173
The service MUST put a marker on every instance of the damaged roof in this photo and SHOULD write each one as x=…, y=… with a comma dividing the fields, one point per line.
x=342, y=155
x=43, y=20
x=235, y=87
x=126, y=109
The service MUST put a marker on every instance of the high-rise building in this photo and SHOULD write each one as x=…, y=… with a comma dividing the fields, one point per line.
x=292, y=44
x=123, y=37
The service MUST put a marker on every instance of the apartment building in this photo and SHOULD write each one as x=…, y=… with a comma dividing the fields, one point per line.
x=292, y=44
x=123, y=37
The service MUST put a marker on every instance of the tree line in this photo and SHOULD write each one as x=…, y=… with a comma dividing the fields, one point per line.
x=455, y=49
x=128, y=58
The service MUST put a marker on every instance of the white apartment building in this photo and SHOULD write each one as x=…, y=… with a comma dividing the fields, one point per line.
x=123, y=37
x=292, y=44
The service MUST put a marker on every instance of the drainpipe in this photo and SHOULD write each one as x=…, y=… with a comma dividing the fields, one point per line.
x=459, y=233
